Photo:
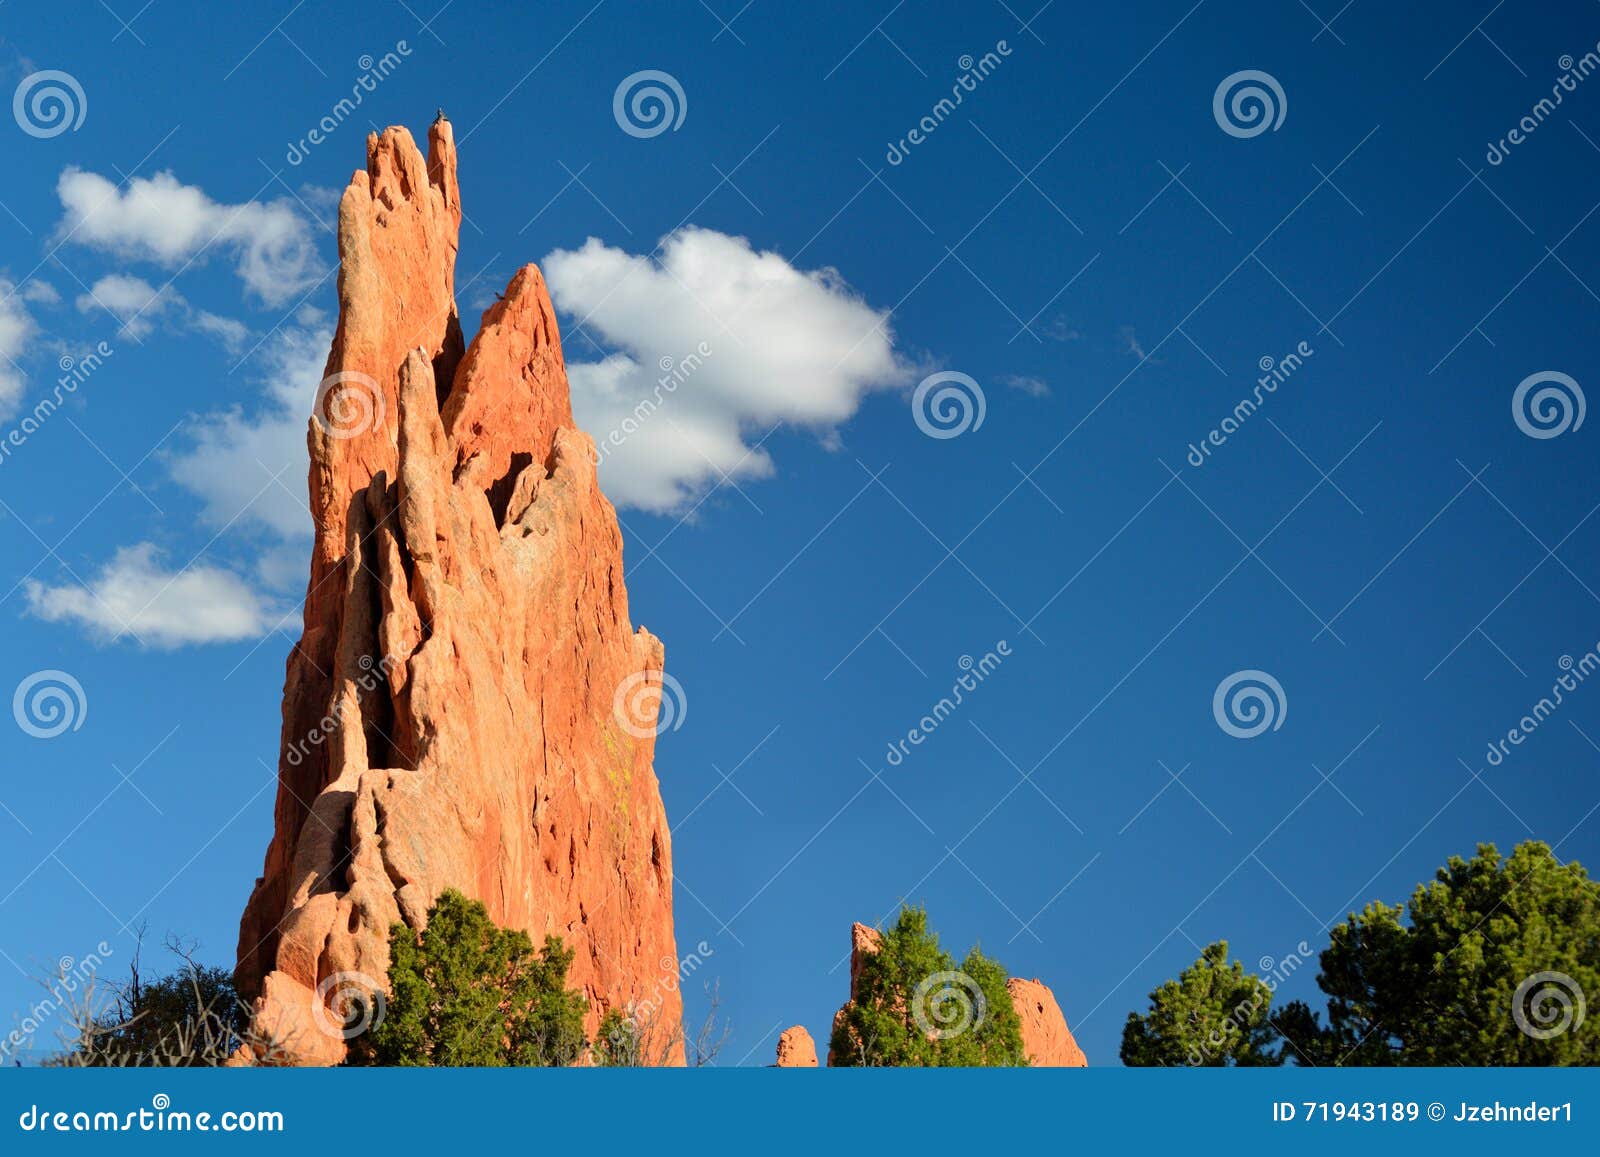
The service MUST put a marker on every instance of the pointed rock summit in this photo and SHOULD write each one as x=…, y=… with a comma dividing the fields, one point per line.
x=469, y=705
x=796, y=1049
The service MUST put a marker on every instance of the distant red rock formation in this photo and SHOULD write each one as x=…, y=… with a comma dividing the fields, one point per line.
x=796, y=1049
x=1044, y=1030
x=469, y=705
x=1045, y=1036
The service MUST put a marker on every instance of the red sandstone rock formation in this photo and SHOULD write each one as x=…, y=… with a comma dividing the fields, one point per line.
x=469, y=705
x=1044, y=1030
x=796, y=1049
x=1045, y=1035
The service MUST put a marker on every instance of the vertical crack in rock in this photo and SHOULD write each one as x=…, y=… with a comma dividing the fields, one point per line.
x=465, y=636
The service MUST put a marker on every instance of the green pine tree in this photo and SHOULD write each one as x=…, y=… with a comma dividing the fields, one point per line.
x=1215, y=1014
x=468, y=993
x=1489, y=964
x=912, y=1007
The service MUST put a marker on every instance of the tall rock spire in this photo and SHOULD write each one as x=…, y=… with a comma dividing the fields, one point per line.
x=469, y=706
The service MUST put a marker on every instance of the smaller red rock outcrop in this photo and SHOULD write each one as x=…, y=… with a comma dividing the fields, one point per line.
x=1044, y=1029
x=796, y=1049
x=1045, y=1035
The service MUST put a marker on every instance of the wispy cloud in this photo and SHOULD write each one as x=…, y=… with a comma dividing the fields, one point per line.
x=136, y=594
x=138, y=306
x=161, y=220
x=16, y=328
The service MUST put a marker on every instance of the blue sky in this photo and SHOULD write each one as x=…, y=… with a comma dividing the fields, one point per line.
x=1080, y=237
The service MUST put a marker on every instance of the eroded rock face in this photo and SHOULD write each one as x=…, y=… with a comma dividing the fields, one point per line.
x=796, y=1049
x=1044, y=1030
x=469, y=705
x=1045, y=1035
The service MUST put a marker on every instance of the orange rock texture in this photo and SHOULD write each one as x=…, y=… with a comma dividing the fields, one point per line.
x=796, y=1049
x=1044, y=1030
x=1045, y=1035
x=469, y=705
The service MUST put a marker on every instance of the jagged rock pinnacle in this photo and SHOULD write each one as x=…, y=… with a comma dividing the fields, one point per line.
x=469, y=705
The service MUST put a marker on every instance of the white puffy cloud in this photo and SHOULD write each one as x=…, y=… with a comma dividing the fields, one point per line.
x=752, y=342
x=136, y=594
x=137, y=305
x=162, y=220
x=234, y=455
x=16, y=327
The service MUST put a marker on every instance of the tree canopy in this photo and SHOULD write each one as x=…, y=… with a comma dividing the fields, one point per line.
x=1490, y=963
x=1214, y=1015
x=469, y=993
x=913, y=1007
